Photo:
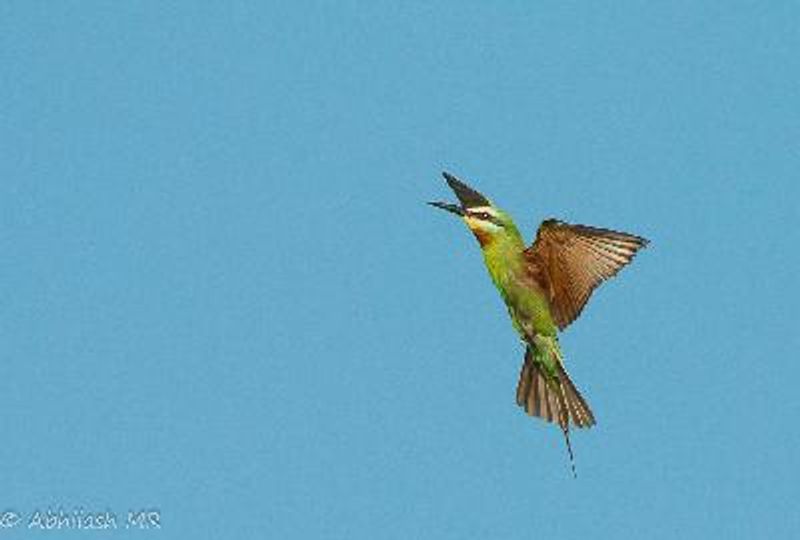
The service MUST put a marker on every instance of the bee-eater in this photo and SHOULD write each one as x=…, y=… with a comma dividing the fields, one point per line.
x=545, y=287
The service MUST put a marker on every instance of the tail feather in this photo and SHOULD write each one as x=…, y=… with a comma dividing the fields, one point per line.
x=553, y=411
x=552, y=399
x=565, y=430
x=525, y=388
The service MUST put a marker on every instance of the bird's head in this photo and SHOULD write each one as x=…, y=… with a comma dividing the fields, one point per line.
x=485, y=220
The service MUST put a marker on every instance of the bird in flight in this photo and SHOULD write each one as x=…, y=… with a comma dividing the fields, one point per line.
x=545, y=287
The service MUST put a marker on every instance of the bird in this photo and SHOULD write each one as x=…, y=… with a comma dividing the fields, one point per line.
x=545, y=287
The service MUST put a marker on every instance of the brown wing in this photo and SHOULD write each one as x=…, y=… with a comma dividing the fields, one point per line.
x=572, y=260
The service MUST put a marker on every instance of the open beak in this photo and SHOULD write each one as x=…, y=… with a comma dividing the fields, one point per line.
x=454, y=208
x=468, y=197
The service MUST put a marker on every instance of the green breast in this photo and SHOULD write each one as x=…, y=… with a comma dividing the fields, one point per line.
x=527, y=303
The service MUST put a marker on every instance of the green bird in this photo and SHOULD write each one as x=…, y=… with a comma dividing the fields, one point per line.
x=545, y=287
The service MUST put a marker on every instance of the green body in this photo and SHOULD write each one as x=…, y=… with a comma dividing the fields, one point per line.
x=527, y=303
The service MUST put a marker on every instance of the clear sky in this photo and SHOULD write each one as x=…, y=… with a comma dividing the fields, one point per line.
x=222, y=295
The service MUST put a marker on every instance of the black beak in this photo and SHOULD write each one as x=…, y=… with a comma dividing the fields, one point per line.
x=454, y=208
x=469, y=197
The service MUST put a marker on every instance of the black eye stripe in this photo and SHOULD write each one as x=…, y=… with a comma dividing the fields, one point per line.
x=486, y=216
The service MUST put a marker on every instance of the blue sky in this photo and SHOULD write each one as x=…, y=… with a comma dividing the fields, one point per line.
x=224, y=298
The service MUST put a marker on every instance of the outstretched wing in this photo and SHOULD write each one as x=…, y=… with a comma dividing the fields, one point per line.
x=572, y=260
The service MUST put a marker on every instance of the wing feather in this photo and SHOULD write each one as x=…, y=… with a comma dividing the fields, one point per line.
x=574, y=259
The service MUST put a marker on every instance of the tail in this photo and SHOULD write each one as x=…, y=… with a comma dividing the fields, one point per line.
x=552, y=397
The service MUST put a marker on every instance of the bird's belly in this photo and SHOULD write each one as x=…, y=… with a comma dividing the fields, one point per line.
x=526, y=302
x=530, y=314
